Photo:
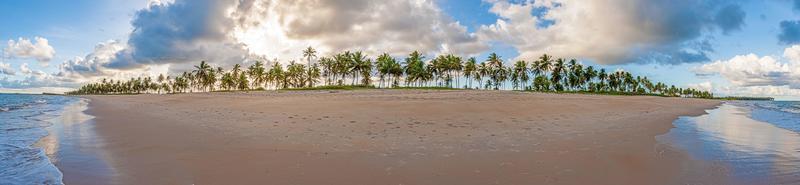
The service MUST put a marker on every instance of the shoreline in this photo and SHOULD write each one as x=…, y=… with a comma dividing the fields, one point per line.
x=386, y=136
x=750, y=151
x=73, y=147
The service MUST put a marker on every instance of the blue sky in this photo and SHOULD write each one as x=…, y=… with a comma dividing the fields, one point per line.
x=103, y=30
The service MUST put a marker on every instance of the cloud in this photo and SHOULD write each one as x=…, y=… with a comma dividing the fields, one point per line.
x=34, y=90
x=754, y=71
x=397, y=27
x=751, y=70
x=703, y=86
x=33, y=79
x=759, y=91
x=25, y=70
x=730, y=18
x=225, y=32
x=614, y=31
x=180, y=32
x=74, y=72
x=5, y=68
x=790, y=32
x=796, y=5
x=92, y=65
x=40, y=49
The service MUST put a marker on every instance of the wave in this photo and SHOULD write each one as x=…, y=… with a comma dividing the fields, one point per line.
x=783, y=114
x=23, y=119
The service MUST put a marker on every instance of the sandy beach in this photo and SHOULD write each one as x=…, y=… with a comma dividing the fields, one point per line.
x=395, y=137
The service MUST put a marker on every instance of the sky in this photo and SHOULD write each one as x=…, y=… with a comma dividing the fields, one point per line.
x=729, y=47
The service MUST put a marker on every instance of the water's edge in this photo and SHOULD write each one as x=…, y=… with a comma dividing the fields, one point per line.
x=749, y=150
x=80, y=155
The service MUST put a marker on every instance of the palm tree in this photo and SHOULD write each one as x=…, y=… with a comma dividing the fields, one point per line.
x=590, y=75
x=383, y=65
x=365, y=68
x=313, y=75
x=469, y=70
x=203, y=73
x=557, y=75
x=160, y=81
x=520, y=73
x=243, y=83
x=483, y=70
x=257, y=74
x=277, y=76
x=309, y=53
x=414, y=68
x=497, y=70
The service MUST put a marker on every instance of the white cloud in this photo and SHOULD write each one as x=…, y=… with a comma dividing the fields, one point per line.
x=759, y=91
x=752, y=70
x=39, y=49
x=5, y=68
x=92, y=66
x=758, y=76
x=703, y=86
x=610, y=31
x=24, y=69
x=36, y=90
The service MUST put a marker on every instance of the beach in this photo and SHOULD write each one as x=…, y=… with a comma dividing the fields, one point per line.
x=395, y=137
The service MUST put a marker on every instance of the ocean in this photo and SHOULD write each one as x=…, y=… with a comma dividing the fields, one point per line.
x=23, y=122
x=758, y=141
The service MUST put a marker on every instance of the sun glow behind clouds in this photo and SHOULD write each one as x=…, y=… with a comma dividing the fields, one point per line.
x=270, y=41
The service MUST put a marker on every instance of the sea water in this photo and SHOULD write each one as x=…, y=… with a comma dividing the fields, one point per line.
x=757, y=141
x=23, y=122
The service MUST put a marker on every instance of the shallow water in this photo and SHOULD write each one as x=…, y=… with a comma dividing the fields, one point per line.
x=23, y=119
x=40, y=134
x=755, y=151
x=75, y=148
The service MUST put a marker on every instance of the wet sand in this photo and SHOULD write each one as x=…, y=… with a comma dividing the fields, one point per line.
x=753, y=152
x=395, y=137
x=75, y=148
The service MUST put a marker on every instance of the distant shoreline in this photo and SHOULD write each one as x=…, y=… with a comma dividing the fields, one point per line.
x=393, y=136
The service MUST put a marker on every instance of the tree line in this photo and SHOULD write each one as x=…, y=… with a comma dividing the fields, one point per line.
x=545, y=74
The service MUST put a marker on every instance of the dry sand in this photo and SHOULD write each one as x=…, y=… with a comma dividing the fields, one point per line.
x=395, y=137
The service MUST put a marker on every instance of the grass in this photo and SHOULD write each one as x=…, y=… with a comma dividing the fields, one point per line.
x=611, y=93
x=426, y=88
x=362, y=87
x=248, y=90
x=332, y=87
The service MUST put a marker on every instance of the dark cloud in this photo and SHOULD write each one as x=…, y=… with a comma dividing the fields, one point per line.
x=790, y=32
x=179, y=32
x=684, y=29
x=796, y=5
x=730, y=18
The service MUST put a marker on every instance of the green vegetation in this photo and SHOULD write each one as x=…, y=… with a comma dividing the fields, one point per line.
x=355, y=70
x=426, y=88
x=333, y=87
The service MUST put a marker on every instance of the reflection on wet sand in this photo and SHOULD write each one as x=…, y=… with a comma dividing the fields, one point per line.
x=755, y=152
x=75, y=148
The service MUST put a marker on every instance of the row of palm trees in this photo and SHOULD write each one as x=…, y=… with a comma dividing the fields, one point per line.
x=355, y=68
